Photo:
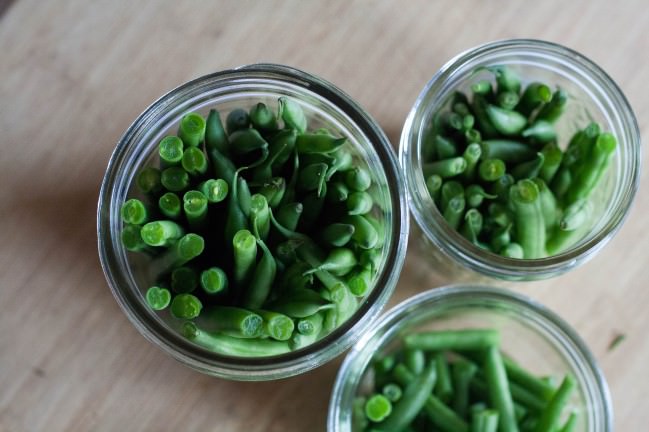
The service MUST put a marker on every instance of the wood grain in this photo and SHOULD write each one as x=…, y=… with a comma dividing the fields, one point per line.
x=76, y=73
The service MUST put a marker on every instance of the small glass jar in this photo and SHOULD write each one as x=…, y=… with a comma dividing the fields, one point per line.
x=531, y=335
x=593, y=96
x=325, y=106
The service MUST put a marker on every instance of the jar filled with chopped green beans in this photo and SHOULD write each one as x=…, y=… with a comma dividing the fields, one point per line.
x=253, y=223
x=521, y=159
x=470, y=358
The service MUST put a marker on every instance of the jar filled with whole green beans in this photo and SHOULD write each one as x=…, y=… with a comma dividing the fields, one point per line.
x=521, y=160
x=470, y=358
x=252, y=223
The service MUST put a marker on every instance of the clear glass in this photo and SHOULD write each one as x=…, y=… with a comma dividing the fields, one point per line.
x=530, y=334
x=593, y=96
x=324, y=105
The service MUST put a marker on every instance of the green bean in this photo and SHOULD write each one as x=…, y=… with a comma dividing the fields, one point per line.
x=508, y=100
x=191, y=129
x=541, y=131
x=184, y=280
x=174, y=179
x=194, y=161
x=359, y=203
x=222, y=166
x=482, y=87
x=337, y=192
x=170, y=150
x=318, y=143
x=292, y=114
x=343, y=161
x=377, y=408
x=359, y=282
x=300, y=303
x=312, y=177
x=262, y=279
x=472, y=226
x=337, y=234
x=358, y=179
x=134, y=212
x=339, y=262
x=450, y=189
x=185, y=306
x=462, y=372
x=187, y=248
x=215, y=190
x=365, y=235
x=501, y=237
x=285, y=252
x=195, y=206
x=245, y=253
x=446, y=167
x=491, y=170
x=506, y=78
x=237, y=119
x=158, y=298
x=311, y=324
x=161, y=233
x=282, y=145
x=214, y=281
x=443, y=417
x=149, y=180
x=522, y=397
x=529, y=169
x=528, y=218
x=571, y=424
x=443, y=386
x=289, y=214
x=412, y=400
x=506, y=122
x=575, y=215
x=451, y=122
x=313, y=204
x=445, y=148
x=232, y=346
x=276, y=325
x=560, y=240
x=580, y=145
x=244, y=141
x=215, y=136
x=236, y=219
x=434, y=186
x=501, y=186
x=509, y=151
x=274, y=191
x=454, y=212
x=475, y=195
x=500, y=214
x=392, y=391
x=480, y=111
x=561, y=182
x=550, y=418
x=452, y=340
x=552, y=110
x=473, y=136
x=471, y=155
x=132, y=239
x=485, y=421
x=592, y=168
x=552, y=161
x=415, y=360
x=262, y=118
x=513, y=250
x=371, y=259
x=230, y=320
x=169, y=205
x=535, y=95
x=498, y=388
x=260, y=216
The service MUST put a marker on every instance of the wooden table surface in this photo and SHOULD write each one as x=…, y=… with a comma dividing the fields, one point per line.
x=74, y=74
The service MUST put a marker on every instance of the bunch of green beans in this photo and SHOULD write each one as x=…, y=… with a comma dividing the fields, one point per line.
x=499, y=175
x=459, y=381
x=263, y=236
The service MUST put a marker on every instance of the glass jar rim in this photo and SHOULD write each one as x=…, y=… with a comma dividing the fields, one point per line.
x=436, y=297
x=271, y=367
x=454, y=244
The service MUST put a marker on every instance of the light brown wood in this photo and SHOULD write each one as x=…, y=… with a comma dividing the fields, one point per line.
x=74, y=74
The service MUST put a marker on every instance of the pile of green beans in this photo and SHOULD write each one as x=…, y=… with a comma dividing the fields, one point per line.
x=263, y=236
x=499, y=175
x=459, y=381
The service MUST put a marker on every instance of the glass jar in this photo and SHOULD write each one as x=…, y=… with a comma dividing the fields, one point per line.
x=324, y=105
x=593, y=96
x=531, y=335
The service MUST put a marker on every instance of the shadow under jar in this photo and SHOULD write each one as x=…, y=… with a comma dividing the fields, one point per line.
x=530, y=335
x=592, y=97
x=324, y=105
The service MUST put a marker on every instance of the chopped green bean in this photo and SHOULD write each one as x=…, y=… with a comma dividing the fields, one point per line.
x=158, y=298
x=214, y=281
x=192, y=129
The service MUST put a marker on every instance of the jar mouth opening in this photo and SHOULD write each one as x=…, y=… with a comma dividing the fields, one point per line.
x=115, y=263
x=430, y=303
x=604, y=93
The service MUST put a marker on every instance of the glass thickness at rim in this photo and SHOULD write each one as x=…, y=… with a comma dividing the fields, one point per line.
x=184, y=98
x=434, y=303
x=606, y=97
